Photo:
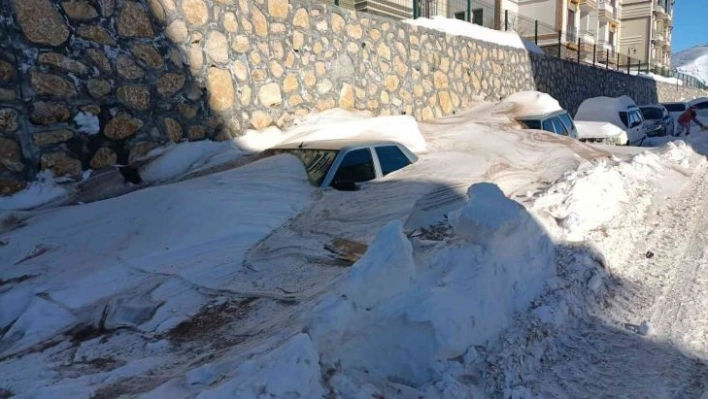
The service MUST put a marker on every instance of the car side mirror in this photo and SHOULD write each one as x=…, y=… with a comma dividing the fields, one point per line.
x=345, y=185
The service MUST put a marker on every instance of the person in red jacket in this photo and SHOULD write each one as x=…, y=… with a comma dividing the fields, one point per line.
x=687, y=117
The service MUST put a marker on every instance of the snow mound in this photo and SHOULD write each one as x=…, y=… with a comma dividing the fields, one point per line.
x=437, y=305
x=457, y=27
x=339, y=124
x=601, y=130
x=41, y=191
x=590, y=199
x=177, y=159
x=528, y=103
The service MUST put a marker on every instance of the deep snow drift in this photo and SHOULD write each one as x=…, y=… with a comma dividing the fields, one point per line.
x=219, y=287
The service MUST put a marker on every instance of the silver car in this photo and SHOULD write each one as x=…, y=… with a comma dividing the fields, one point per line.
x=657, y=120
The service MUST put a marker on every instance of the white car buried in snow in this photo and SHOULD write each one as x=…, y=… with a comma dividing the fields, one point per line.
x=621, y=112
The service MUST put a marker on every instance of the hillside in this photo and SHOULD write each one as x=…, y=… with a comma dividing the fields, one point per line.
x=693, y=61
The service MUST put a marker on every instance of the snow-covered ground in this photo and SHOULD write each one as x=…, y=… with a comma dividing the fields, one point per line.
x=504, y=263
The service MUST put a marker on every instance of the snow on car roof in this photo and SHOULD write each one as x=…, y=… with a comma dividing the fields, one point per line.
x=604, y=109
x=526, y=104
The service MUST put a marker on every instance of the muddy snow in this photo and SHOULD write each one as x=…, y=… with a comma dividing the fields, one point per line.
x=504, y=263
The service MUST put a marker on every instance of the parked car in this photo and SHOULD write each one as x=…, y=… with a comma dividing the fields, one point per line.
x=341, y=164
x=619, y=111
x=675, y=110
x=658, y=121
x=558, y=122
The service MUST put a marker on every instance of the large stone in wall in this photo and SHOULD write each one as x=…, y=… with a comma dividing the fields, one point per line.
x=122, y=126
x=196, y=12
x=134, y=21
x=218, y=47
x=149, y=55
x=47, y=113
x=174, y=130
x=52, y=29
x=79, y=10
x=11, y=155
x=220, y=88
x=170, y=83
x=103, y=158
x=8, y=120
x=96, y=33
x=134, y=96
x=9, y=186
x=53, y=137
x=61, y=164
x=98, y=88
x=63, y=62
x=99, y=59
x=7, y=72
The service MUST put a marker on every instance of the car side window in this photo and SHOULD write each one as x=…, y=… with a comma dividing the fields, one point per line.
x=560, y=128
x=357, y=166
x=702, y=105
x=548, y=126
x=391, y=158
x=624, y=118
x=638, y=119
x=532, y=124
x=565, y=118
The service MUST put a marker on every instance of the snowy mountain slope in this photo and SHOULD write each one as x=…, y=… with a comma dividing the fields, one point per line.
x=693, y=61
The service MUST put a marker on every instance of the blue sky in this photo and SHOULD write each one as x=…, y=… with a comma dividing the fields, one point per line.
x=689, y=24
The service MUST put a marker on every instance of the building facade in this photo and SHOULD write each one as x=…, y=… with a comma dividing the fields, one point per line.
x=646, y=31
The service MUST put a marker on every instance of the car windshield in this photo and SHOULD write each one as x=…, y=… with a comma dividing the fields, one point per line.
x=675, y=107
x=316, y=162
x=651, y=113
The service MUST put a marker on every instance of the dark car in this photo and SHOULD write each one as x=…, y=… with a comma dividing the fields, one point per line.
x=657, y=120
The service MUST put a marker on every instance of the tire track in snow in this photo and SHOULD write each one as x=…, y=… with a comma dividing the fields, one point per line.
x=600, y=358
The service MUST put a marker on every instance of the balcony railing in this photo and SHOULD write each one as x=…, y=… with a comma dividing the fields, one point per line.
x=587, y=37
x=608, y=9
x=571, y=34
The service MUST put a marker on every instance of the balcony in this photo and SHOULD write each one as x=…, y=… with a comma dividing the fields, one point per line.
x=658, y=38
x=608, y=11
x=587, y=37
x=660, y=9
x=588, y=4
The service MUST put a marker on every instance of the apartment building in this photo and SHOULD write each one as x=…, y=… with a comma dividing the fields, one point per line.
x=646, y=31
x=591, y=24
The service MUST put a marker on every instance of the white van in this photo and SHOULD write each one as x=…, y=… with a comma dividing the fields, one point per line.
x=619, y=111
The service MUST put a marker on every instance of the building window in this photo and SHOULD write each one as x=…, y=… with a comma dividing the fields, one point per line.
x=571, y=20
x=611, y=38
x=460, y=15
x=478, y=17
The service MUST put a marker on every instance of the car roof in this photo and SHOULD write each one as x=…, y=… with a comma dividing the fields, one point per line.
x=652, y=106
x=542, y=116
x=333, y=145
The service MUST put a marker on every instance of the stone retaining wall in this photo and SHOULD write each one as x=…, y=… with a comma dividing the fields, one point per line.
x=153, y=71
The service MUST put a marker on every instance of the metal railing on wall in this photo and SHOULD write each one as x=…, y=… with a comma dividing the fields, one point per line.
x=570, y=44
